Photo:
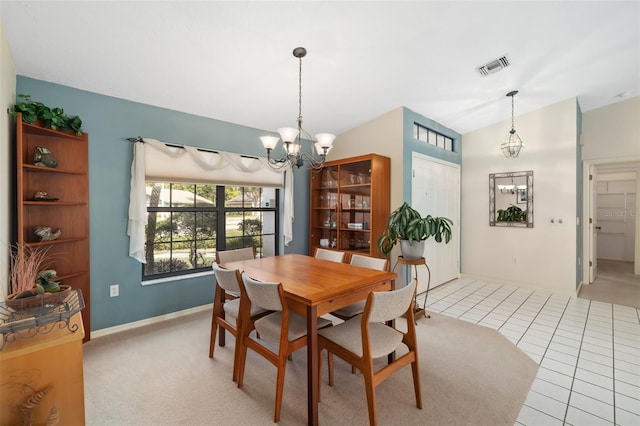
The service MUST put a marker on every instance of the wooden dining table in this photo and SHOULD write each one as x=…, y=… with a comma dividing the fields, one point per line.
x=314, y=287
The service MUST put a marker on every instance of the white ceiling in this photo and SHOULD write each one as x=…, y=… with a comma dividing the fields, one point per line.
x=232, y=60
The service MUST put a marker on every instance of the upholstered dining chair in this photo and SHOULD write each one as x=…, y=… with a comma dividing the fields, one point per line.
x=233, y=255
x=364, y=338
x=228, y=280
x=366, y=262
x=283, y=327
x=333, y=255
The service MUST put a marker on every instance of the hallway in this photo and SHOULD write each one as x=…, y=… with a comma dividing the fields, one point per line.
x=615, y=283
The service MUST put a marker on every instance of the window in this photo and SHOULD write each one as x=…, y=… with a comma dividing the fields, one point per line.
x=187, y=223
x=431, y=137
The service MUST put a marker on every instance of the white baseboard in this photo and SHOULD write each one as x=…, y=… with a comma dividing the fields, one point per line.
x=131, y=325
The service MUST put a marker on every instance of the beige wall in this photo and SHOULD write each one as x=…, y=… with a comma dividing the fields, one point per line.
x=612, y=132
x=383, y=136
x=7, y=98
x=545, y=254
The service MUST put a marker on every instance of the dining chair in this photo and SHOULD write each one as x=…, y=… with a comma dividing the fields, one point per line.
x=224, y=256
x=333, y=255
x=283, y=327
x=364, y=338
x=228, y=280
x=366, y=262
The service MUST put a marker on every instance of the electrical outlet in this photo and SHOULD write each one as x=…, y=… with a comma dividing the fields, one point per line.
x=114, y=290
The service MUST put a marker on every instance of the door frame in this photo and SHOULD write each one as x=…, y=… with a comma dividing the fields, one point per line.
x=590, y=166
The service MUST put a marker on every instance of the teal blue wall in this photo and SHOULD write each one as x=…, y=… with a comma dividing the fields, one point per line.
x=109, y=121
x=579, y=196
x=410, y=145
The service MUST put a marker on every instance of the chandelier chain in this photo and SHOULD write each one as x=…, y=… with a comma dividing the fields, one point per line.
x=300, y=95
x=512, y=113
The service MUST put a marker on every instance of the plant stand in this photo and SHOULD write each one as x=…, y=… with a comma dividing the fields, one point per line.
x=408, y=263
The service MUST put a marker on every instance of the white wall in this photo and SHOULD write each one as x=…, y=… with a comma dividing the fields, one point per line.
x=381, y=135
x=7, y=99
x=545, y=254
x=612, y=132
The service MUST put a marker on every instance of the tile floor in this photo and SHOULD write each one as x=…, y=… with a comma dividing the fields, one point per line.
x=588, y=352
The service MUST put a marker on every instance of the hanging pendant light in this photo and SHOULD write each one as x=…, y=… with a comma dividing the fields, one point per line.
x=294, y=153
x=512, y=146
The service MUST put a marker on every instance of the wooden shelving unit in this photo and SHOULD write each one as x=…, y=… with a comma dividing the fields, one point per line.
x=350, y=204
x=69, y=184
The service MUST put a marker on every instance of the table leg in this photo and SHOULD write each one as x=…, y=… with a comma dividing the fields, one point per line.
x=312, y=365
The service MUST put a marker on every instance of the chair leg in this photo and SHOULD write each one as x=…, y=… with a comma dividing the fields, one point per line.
x=212, y=341
x=353, y=369
x=371, y=395
x=236, y=349
x=416, y=383
x=282, y=368
x=242, y=358
x=221, y=337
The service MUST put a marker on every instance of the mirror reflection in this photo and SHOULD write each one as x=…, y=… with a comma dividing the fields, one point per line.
x=511, y=199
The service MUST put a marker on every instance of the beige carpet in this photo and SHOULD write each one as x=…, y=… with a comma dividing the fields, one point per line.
x=615, y=283
x=161, y=375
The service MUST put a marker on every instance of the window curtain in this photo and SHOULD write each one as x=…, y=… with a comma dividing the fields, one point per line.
x=156, y=160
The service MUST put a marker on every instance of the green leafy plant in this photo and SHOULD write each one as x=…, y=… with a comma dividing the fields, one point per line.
x=512, y=214
x=53, y=118
x=405, y=223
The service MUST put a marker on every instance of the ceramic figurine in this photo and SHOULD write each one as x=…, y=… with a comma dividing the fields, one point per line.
x=46, y=233
x=44, y=157
x=40, y=195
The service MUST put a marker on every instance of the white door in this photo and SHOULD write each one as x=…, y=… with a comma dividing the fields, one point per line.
x=435, y=190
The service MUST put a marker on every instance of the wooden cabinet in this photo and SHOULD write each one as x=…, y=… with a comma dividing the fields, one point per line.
x=66, y=206
x=350, y=204
x=41, y=376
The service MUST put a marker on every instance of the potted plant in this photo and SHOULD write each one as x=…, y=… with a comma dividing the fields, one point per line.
x=52, y=118
x=29, y=277
x=512, y=214
x=405, y=225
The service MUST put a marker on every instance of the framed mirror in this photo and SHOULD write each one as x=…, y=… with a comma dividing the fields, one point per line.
x=511, y=199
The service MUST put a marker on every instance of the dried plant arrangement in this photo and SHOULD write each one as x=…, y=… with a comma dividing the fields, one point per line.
x=27, y=263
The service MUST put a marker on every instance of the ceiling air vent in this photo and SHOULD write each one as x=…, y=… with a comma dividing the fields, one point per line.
x=493, y=66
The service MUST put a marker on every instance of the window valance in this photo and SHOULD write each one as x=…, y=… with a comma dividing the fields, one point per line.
x=159, y=161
